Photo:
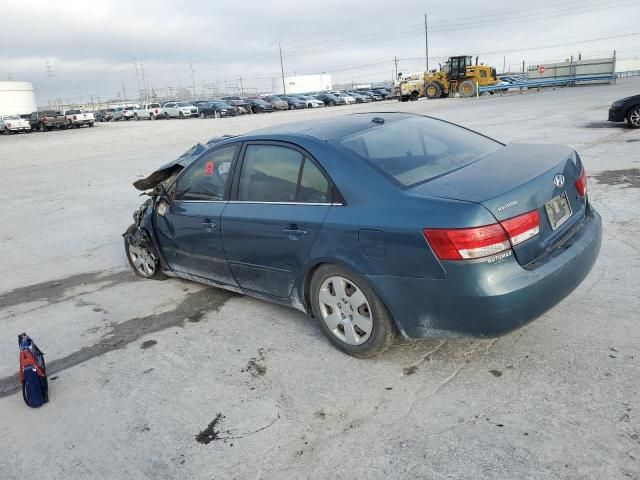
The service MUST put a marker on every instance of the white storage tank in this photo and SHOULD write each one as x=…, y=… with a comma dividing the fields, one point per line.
x=302, y=84
x=16, y=98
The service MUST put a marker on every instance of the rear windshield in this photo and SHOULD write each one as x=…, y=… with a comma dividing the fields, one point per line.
x=73, y=112
x=418, y=149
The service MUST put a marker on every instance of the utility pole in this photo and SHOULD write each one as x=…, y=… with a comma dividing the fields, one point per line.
x=395, y=61
x=93, y=107
x=51, y=75
x=504, y=64
x=193, y=79
x=144, y=82
x=426, y=40
x=241, y=86
x=284, y=88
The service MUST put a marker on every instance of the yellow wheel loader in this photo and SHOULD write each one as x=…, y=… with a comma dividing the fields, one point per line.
x=458, y=75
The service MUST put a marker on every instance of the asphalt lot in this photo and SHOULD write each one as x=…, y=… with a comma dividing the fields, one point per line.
x=139, y=368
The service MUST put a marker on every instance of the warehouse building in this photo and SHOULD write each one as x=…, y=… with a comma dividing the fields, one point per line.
x=16, y=98
x=301, y=84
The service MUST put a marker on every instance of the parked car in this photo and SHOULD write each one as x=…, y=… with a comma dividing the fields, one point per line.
x=330, y=100
x=47, y=120
x=149, y=111
x=375, y=97
x=310, y=101
x=104, y=115
x=259, y=106
x=628, y=109
x=123, y=113
x=215, y=109
x=14, y=124
x=76, y=118
x=294, y=103
x=242, y=106
x=383, y=92
x=360, y=98
x=349, y=100
x=452, y=244
x=277, y=102
x=179, y=110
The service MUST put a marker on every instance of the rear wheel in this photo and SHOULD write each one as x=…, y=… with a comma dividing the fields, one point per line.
x=203, y=115
x=633, y=117
x=181, y=115
x=42, y=127
x=467, y=89
x=216, y=114
x=350, y=314
x=152, y=116
x=166, y=116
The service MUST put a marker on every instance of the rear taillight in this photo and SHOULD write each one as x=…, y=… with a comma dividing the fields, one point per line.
x=581, y=183
x=478, y=242
x=466, y=243
x=522, y=227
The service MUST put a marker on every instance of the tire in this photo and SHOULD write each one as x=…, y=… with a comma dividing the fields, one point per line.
x=152, y=116
x=332, y=103
x=414, y=96
x=444, y=95
x=202, y=115
x=330, y=310
x=216, y=114
x=136, y=117
x=166, y=116
x=42, y=127
x=181, y=115
x=467, y=89
x=144, y=262
x=633, y=117
x=432, y=90
x=91, y=124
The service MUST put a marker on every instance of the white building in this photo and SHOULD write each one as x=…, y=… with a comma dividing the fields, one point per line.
x=302, y=84
x=16, y=98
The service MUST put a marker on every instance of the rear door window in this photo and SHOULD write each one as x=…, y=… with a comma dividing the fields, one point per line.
x=415, y=150
x=207, y=177
x=278, y=174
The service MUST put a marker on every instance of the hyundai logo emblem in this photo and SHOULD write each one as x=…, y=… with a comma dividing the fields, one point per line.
x=558, y=180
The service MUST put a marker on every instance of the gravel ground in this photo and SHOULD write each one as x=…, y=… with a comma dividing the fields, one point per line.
x=171, y=379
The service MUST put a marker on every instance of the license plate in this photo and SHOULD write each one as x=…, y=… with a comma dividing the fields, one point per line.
x=558, y=210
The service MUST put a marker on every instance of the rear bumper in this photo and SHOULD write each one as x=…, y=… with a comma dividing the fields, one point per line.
x=616, y=115
x=481, y=299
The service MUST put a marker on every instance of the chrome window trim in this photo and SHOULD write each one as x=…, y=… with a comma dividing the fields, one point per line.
x=260, y=203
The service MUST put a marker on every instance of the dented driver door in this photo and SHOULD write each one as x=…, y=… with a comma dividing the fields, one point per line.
x=188, y=225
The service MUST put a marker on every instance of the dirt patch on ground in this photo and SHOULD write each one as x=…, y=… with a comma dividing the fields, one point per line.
x=629, y=177
x=211, y=433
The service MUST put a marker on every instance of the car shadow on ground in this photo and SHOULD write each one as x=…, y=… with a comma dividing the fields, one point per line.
x=620, y=125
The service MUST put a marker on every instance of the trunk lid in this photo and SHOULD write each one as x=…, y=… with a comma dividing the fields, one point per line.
x=515, y=180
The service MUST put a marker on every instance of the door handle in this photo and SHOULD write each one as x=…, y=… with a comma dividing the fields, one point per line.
x=209, y=224
x=294, y=231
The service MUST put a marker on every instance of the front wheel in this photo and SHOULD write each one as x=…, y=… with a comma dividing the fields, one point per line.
x=143, y=261
x=633, y=117
x=166, y=116
x=203, y=115
x=350, y=313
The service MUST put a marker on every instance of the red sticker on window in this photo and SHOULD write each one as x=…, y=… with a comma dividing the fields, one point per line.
x=208, y=168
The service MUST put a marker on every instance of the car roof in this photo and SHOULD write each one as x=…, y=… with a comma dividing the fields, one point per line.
x=332, y=128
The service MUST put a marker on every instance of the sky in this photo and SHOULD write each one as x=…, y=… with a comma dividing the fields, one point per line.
x=96, y=47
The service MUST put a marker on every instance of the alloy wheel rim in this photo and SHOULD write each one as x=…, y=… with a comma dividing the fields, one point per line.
x=635, y=117
x=143, y=260
x=345, y=310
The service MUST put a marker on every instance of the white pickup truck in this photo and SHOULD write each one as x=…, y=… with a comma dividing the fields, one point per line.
x=150, y=111
x=76, y=118
x=13, y=124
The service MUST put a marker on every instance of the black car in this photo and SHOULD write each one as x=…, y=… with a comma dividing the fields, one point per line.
x=259, y=106
x=294, y=102
x=330, y=100
x=215, y=109
x=360, y=98
x=383, y=92
x=627, y=108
